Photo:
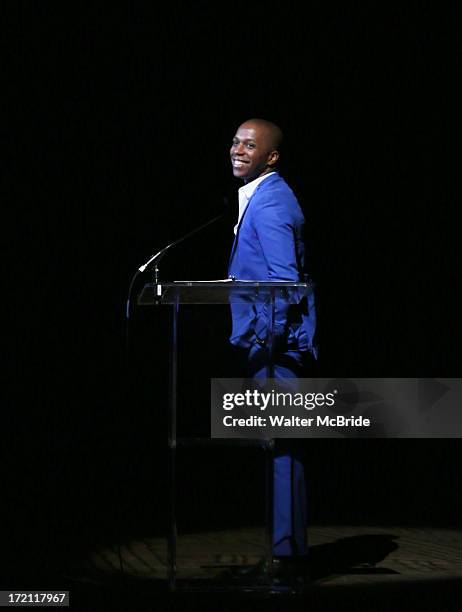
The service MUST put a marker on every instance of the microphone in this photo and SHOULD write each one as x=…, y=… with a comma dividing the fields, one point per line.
x=155, y=259
x=158, y=256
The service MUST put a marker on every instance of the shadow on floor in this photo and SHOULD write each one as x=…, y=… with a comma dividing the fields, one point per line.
x=352, y=555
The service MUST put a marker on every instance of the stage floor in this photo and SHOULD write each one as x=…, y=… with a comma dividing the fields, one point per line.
x=340, y=557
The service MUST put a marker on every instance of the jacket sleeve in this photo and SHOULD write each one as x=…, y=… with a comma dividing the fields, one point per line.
x=276, y=234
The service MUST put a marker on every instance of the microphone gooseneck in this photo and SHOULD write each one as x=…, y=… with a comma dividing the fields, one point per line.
x=157, y=257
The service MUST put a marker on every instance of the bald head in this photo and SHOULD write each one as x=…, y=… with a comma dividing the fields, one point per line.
x=273, y=131
x=255, y=149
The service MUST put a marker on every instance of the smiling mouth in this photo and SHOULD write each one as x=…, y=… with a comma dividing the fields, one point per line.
x=238, y=163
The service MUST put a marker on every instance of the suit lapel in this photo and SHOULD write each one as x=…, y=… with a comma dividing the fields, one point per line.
x=236, y=238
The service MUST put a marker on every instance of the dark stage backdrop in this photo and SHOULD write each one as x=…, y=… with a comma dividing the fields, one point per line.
x=122, y=119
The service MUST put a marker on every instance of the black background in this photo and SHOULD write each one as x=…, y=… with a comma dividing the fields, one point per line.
x=118, y=125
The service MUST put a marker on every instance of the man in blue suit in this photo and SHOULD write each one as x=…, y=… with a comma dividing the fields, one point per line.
x=269, y=246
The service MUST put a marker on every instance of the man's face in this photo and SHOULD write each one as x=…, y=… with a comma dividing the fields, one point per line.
x=252, y=152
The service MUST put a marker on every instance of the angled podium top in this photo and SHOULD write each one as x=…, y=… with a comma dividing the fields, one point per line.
x=222, y=292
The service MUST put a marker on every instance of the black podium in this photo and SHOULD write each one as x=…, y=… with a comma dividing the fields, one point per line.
x=233, y=293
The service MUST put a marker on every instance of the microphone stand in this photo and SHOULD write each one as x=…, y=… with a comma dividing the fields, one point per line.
x=157, y=257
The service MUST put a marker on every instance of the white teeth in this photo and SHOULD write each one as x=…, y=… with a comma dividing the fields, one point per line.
x=237, y=163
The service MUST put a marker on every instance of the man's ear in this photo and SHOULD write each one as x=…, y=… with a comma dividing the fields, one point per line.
x=273, y=158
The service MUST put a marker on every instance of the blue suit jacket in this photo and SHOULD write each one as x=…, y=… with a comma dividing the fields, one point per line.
x=269, y=245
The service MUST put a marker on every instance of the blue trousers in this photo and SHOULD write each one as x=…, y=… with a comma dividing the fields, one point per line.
x=289, y=491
